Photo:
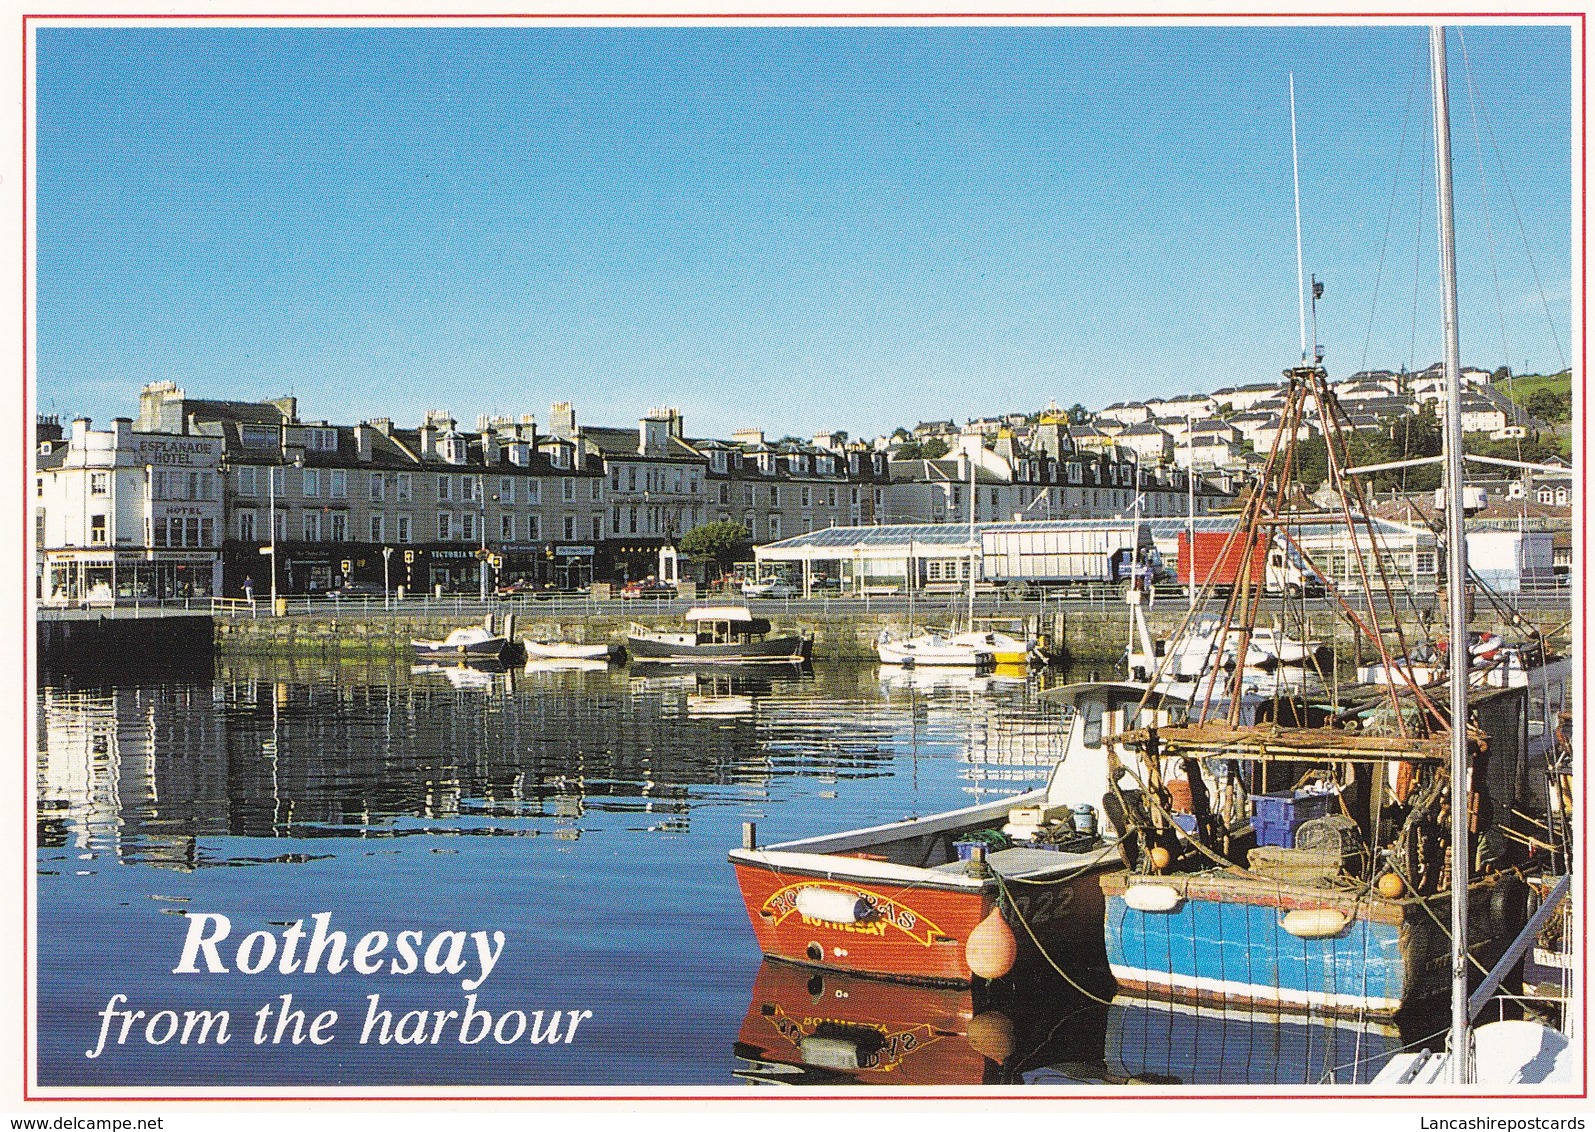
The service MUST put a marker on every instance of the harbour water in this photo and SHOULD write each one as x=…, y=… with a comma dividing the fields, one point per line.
x=583, y=813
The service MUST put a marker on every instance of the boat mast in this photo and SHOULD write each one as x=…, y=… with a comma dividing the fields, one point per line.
x=1295, y=174
x=1456, y=568
x=1190, y=509
x=973, y=545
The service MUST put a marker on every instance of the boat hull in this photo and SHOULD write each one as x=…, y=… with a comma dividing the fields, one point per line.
x=560, y=650
x=932, y=656
x=960, y=650
x=498, y=650
x=919, y=932
x=1224, y=938
x=771, y=650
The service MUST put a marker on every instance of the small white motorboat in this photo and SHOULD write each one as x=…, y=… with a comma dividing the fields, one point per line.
x=569, y=650
x=473, y=643
x=1274, y=646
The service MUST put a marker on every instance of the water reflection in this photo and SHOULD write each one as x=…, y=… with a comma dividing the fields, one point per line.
x=819, y=1028
x=587, y=811
x=806, y=1027
x=297, y=751
x=1178, y=1043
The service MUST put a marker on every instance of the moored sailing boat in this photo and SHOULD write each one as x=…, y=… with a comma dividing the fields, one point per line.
x=965, y=644
x=1403, y=860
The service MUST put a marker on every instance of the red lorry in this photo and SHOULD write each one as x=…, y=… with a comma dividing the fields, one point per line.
x=1278, y=570
x=1216, y=564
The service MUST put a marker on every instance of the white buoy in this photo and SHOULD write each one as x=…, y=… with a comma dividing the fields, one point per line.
x=1315, y=923
x=1152, y=897
x=832, y=906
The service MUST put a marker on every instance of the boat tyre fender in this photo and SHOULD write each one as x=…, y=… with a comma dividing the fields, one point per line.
x=1509, y=907
x=1129, y=839
x=1419, y=858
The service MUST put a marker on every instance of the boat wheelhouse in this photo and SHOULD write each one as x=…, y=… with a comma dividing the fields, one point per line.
x=718, y=634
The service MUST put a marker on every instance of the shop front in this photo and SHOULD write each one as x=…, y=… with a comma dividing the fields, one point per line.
x=573, y=566
x=634, y=558
x=106, y=578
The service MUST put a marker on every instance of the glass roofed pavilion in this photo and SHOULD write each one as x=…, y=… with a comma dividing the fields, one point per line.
x=889, y=559
x=1055, y=553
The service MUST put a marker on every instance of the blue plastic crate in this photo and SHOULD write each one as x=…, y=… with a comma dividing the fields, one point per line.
x=1276, y=817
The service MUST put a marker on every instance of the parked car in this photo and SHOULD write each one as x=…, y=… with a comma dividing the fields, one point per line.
x=648, y=587
x=769, y=587
x=525, y=587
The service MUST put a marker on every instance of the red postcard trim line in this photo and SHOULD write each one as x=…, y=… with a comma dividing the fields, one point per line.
x=26, y=424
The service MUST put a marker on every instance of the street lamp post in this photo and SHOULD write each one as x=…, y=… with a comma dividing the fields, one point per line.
x=387, y=553
x=271, y=506
x=271, y=518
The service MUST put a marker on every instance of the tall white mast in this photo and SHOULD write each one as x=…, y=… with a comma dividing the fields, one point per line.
x=1456, y=568
x=1190, y=508
x=973, y=544
x=1295, y=174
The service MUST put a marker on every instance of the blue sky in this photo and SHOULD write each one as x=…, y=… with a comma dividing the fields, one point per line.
x=791, y=228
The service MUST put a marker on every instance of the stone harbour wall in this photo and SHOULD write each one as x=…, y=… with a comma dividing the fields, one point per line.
x=1078, y=635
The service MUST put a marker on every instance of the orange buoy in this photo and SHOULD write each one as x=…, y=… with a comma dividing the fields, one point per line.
x=992, y=948
x=1160, y=858
x=990, y=1034
x=1390, y=886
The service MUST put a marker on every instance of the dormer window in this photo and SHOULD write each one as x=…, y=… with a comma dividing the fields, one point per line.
x=520, y=454
x=825, y=465
x=717, y=461
x=258, y=436
x=767, y=462
x=559, y=456
x=452, y=449
x=321, y=439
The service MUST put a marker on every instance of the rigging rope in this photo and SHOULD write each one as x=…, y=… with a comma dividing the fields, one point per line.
x=1395, y=183
x=1518, y=215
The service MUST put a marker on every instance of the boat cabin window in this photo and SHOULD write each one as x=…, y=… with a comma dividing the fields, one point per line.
x=1091, y=723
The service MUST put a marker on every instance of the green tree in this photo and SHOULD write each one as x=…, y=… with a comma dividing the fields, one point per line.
x=1078, y=415
x=1549, y=405
x=721, y=543
x=933, y=449
x=1312, y=462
